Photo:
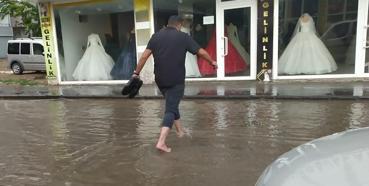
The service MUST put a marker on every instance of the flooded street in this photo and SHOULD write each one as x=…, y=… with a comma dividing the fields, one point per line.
x=111, y=142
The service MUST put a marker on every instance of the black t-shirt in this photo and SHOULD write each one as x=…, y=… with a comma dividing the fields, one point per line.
x=169, y=47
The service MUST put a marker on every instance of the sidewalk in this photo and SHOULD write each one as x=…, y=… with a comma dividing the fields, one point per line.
x=322, y=89
x=283, y=89
x=28, y=77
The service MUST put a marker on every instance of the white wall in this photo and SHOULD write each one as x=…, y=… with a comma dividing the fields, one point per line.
x=4, y=46
x=6, y=33
x=5, y=21
x=75, y=36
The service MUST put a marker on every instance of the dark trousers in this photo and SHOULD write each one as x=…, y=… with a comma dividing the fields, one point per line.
x=173, y=96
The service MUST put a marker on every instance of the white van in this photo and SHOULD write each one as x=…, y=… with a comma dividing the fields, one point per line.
x=26, y=55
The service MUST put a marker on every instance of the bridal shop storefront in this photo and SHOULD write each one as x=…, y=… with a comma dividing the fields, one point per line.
x=319, y=39
x=100, y=41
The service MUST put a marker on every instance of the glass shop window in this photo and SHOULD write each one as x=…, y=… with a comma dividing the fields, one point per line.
x=317, y=37
x=96, y=41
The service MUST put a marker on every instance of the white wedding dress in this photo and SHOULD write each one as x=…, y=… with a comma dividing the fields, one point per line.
x=235, y=40
x=95, y=64
x=306, y=53
x=192, y=68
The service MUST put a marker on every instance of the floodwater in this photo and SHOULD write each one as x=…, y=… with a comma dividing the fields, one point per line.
x=111, y=142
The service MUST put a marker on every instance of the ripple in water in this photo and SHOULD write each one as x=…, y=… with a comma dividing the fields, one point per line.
x=110, y=142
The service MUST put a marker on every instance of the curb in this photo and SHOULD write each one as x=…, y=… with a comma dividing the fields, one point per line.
x=233, y=97
x=6, y=72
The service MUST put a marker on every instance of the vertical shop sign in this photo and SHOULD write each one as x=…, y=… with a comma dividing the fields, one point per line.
x=265, y=39
x=144, y=26
x=47, y=36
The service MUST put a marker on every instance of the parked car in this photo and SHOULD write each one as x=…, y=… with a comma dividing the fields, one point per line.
x=26, y=54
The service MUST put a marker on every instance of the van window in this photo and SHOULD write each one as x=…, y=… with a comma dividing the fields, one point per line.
x=38, y=49
x=13, y=48
x=26, y=48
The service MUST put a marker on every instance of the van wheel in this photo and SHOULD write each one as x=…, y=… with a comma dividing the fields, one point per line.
x=17, y=68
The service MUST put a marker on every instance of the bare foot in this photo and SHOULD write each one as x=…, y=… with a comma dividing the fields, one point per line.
x=163, y=148
x=180, y=134
x=184, y=132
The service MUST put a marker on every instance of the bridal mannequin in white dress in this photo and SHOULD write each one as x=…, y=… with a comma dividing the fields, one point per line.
x=306, y=53
x=192, y=68
x=95, y=64
x=235, y=40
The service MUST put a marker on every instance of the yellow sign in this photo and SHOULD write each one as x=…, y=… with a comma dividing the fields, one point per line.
x=47, y=36
x=142, y=5
x=142, y=9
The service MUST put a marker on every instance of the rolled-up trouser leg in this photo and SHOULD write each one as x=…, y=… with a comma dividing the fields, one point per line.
x=173, y=96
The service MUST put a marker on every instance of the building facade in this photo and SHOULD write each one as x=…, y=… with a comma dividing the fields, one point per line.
x=250, y=39
x=6, y=34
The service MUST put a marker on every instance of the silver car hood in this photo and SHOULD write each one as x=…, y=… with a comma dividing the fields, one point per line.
x=341, y=159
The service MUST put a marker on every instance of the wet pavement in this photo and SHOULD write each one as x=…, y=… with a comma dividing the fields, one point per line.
x=329, y=89
x=70, y=142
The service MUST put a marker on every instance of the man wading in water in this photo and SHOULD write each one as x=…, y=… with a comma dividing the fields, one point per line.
x=169, y=47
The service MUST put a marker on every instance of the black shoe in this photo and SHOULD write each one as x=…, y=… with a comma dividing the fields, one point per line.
x=129, y=86
x=135, y=89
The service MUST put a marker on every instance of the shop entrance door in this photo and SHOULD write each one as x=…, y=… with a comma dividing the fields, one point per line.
x=363, y=60
x=362, y=40
x=236, y=38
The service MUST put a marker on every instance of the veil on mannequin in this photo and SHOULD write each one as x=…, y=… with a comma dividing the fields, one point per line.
x=307, y=19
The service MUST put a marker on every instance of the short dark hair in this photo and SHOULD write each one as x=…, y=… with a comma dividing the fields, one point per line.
x=174, y=20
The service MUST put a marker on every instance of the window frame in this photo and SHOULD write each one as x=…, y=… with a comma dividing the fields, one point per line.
x=14, y=43
x=358, y=69
x=33, y=49
x=21, y=48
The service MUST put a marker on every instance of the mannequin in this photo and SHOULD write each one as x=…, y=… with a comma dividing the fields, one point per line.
x=306, y=53
x=95, y=63
x=192, y=69
x=200, y=35
x=233, y=62
x=235, y=40
x=127, y=60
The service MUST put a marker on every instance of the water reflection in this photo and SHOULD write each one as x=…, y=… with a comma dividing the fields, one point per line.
x=220, y=112
x=110, y=142
x=149, y=120
x=358, y=112
x=59, y=130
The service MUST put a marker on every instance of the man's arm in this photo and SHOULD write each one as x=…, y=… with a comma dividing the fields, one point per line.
x=141, y=63
x=202, y=53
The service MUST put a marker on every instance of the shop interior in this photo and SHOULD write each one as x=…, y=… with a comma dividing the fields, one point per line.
x=196, y=14
x=317, y=37
x=96, y=41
